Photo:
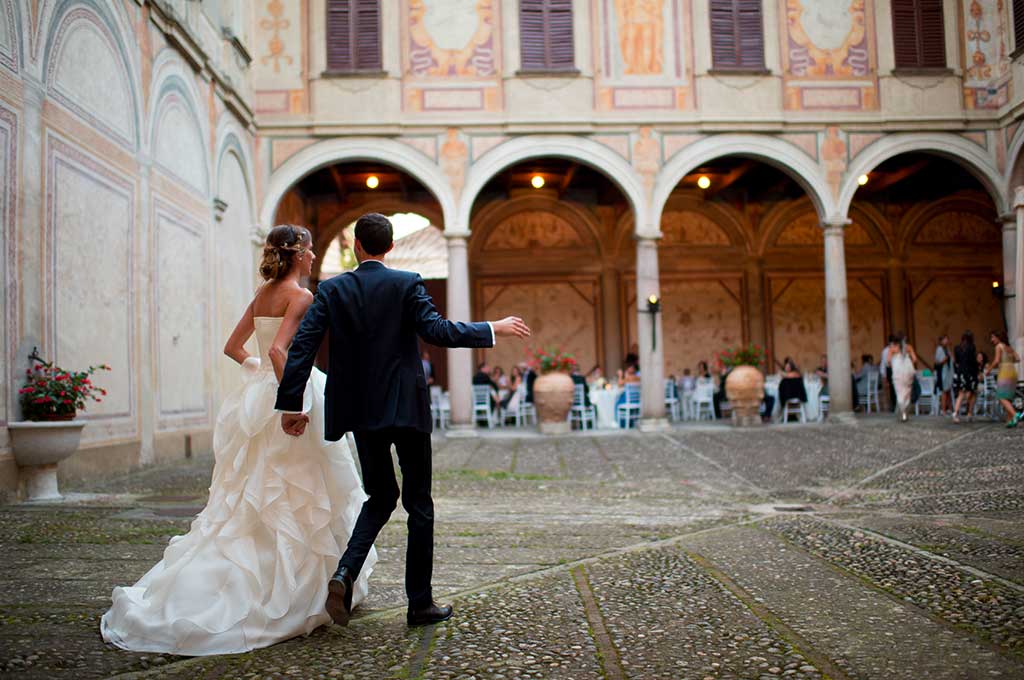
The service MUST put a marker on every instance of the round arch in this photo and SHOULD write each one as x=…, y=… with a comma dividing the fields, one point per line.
x=331, y=151
x=229, y=141
x=952, y=147
x=586, y=151
x=1014, y=174
x=172, y=82
x=918, y=217
x=726, y=217
x=495, y=214
x=788, y=158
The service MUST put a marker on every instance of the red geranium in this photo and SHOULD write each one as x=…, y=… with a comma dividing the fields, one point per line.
x=51, y=391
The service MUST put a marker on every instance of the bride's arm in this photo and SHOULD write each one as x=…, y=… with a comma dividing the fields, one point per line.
x=235, y=346
x=292, y=317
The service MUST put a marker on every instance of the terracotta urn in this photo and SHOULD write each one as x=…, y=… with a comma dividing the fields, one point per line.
x=38, y=447
x=744, y=386
x=552, y=395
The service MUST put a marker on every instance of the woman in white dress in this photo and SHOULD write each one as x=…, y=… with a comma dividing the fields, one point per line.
x=902, y=358
x=254, y=566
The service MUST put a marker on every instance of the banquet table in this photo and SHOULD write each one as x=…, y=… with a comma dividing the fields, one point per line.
x=604, y=402
x=812, y=384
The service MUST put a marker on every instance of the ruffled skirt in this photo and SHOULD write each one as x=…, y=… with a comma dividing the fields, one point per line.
x=254, y=566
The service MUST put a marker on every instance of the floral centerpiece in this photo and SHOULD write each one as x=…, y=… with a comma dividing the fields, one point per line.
x=553, y=388
x=50, y=433
x=52, y=393
x=744, y=385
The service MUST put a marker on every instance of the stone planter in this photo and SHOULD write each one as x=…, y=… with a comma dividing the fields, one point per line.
x=744, y=386
x=552, y=395
x=38, y=447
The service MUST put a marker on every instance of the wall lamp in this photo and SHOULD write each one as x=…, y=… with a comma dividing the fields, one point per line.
x=653, y=307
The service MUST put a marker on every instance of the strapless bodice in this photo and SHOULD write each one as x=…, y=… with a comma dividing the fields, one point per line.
x=266, y=331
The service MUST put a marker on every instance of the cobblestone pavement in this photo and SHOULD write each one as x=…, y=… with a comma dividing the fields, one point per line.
x=826, y=551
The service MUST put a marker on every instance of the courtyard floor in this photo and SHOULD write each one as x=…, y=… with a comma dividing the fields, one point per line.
x=841, y=551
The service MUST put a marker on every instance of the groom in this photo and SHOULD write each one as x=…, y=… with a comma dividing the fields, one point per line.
x=376, y=390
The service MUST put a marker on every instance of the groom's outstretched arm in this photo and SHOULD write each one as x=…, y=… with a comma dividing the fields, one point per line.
x=302, y=354
x=437, y=330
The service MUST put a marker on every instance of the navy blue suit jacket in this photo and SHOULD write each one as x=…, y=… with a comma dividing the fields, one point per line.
x=375, y=377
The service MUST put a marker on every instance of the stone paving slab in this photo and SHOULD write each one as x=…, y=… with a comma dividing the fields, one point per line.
x=866, y=633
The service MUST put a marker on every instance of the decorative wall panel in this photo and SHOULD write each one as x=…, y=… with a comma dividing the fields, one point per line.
x=643, y=54
x=530, y=229
x=691, y=228
x=10, y=44
x=178, y=146
x=987, y=54
x=950, y=305
x=180, y=306
x=90, y=228
x=561, y=313
x=828, y=55
x=451, y=55
x=278, y=56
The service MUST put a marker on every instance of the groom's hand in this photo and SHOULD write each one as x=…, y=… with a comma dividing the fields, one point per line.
x=294, y=423
x=511, y=327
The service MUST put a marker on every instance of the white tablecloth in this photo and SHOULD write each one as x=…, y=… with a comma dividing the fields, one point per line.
x=811, y=385
x=604, y=401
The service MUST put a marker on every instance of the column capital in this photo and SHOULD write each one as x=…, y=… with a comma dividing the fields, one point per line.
x=456, y=238
x=1008, y=220
x=647, y=240
x=1018, y=197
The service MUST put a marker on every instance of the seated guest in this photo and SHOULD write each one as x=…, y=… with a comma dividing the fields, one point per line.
x=498, y=376
x=704, y=375
x=595, y=377
x=687, y=383
x=633, y=358
x=428, y=367
x=792, y=384
x=483, y=377
x=515, y=381
x=627, y=377
x=578, y=379
x=822, y=372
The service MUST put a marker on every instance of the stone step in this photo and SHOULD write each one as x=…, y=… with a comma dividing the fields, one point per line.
x=864, y=632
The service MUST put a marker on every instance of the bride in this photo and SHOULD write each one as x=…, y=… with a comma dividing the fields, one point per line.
x=254, y=566
x=902, y=358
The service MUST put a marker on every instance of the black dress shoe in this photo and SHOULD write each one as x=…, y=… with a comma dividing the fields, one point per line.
x=339, y=596
x=432, y=613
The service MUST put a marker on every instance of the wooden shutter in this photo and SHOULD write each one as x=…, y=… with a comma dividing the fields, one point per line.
x=353, y=35
x=1018, y=26
x=737, y=34
x=918, y=33
x=546, y=35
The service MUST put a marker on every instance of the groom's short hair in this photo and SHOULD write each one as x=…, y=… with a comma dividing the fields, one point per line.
x=375, y=233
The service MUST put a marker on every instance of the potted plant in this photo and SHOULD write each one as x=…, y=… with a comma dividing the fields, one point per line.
x=50, y=399
x=553, y=389
x=744, y=385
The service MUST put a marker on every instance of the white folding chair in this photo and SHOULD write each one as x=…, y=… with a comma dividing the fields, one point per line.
x=672, y=404
x=580, y=412
x=823, y=405
x=794, y=407
x=525, y=411
x=482, y=405
x=687, y=403
x=628, y=411
x=704, y=401
x=440, y=407
x=867, y=392
x=927, y=396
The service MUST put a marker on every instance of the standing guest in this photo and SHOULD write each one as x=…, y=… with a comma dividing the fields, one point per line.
x=483, y=377
x=965, y=375
x=902, y=359
x=529, y=376
x=1005, y=360
x=944, y=375
x=515, y=381
x=428, y=367
x=886, y=368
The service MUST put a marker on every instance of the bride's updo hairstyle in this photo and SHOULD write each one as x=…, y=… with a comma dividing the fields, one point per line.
x=284, y=243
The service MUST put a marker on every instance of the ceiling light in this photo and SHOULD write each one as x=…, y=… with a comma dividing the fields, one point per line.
x=862, y=180
x=372, y=181
x=537, y=181
x=703, y=182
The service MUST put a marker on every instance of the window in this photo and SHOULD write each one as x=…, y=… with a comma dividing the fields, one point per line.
x=918, y=34
x=737, y=35
x=353, y=36
x=545, y=35
x=1018, y=27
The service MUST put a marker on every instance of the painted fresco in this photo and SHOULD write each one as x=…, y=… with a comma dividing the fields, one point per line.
x=828, y=55
x=278, y=64
x=451, y=55
x=643, y=54
x=986, y=42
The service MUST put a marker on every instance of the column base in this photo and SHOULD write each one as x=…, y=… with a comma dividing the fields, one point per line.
x=461, y=431
x=654, y=425
x=843, y=418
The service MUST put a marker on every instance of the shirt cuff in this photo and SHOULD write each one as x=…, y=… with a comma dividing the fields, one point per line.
x=494, y=338
x=291, y=413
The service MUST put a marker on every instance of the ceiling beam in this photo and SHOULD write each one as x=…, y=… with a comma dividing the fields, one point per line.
x=567, y=178
x=339, y=180
x=729, y=179
x=884, y=180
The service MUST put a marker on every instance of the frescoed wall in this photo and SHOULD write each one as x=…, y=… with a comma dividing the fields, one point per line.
x=986, y=53
x=642, y=54
x=828, y=49
x=451, y=55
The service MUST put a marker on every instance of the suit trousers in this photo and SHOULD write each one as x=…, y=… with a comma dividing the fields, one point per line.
x=414, y=457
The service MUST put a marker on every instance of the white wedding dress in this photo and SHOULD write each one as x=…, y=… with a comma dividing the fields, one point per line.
x=254, y=566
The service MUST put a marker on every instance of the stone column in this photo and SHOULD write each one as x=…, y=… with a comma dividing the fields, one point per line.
x=460, y=361
x=837, y=323
x=652, y=355
x=612, y=323
x=1018, y=284
x=1010, y=274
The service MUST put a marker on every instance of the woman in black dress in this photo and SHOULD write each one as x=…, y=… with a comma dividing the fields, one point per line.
x=965, y=375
